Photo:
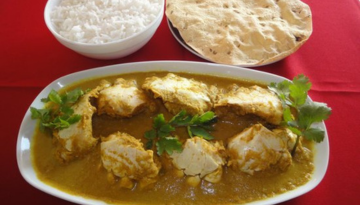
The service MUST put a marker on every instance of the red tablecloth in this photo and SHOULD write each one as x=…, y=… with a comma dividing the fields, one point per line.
x=31, y=58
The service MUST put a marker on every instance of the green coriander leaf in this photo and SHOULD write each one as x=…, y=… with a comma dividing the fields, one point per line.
x=195, y=120
x=151, y=134
x=44, y=100
x=168, y=144
x=184, y=122
x=48, y=125
x=295, y=131
x=189, y=132
x=178, y=118
x=62, y=124
x=63, y=117
x=281, y=88
x=287, y=115
x=67, y=110
x=313, y=112
x=181, y=119
x=314, y=134
x=149, y=144
x=41, y=114
x=55, y=124
x=297, y=95
x=45, y=112
x=299, y=90
x=200, y=132
x=160, y=146
x=292, y=123
x=165, y=130
x=159, y=121
x=210, y=122
x=73, y=95
x=273, y=86
x=54, y=97
x=35, y=113
x=302, y=81
x=73, y=119
x=46, y=117
x=206, y=117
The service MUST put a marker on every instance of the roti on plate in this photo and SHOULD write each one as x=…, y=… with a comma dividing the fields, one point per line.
x=242, y=32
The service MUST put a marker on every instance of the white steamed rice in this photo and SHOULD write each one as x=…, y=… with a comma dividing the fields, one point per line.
x=102, y=21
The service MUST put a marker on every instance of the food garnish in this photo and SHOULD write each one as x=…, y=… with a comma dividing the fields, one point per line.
x=161, y=134
x=300, y=113
x=58, y=114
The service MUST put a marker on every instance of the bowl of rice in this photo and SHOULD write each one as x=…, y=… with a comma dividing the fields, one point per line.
x=104, y=29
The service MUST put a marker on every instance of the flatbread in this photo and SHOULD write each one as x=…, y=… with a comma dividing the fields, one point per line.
x=241, y=32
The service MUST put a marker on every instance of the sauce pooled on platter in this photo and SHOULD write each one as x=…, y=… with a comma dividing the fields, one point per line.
x=228, y=177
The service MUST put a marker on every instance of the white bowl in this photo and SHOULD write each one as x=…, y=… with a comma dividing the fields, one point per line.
x=110, y=50
x=28, y=125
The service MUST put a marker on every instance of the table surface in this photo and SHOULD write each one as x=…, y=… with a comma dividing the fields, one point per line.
x=31, y=58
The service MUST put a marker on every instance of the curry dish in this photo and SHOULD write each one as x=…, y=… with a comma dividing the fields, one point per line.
x=248, y=160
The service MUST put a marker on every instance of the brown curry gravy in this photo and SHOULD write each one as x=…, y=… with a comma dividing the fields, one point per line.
x=86, y=177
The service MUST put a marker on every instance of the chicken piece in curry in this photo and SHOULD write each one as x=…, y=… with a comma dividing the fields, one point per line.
x=122, y=99
x=250, y=100
x=180, y=93
x=256, y=149
x=78, y=138
x=124, y=156
x=200, y=159
x=105, y=156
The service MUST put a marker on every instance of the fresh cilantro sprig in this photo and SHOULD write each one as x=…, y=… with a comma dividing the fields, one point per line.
x=161, y=134
x=197, y=125
x=58, y=114
x=300, y=113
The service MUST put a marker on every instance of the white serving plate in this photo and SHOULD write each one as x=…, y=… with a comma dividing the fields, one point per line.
x=28, y=125
x=180, y=40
